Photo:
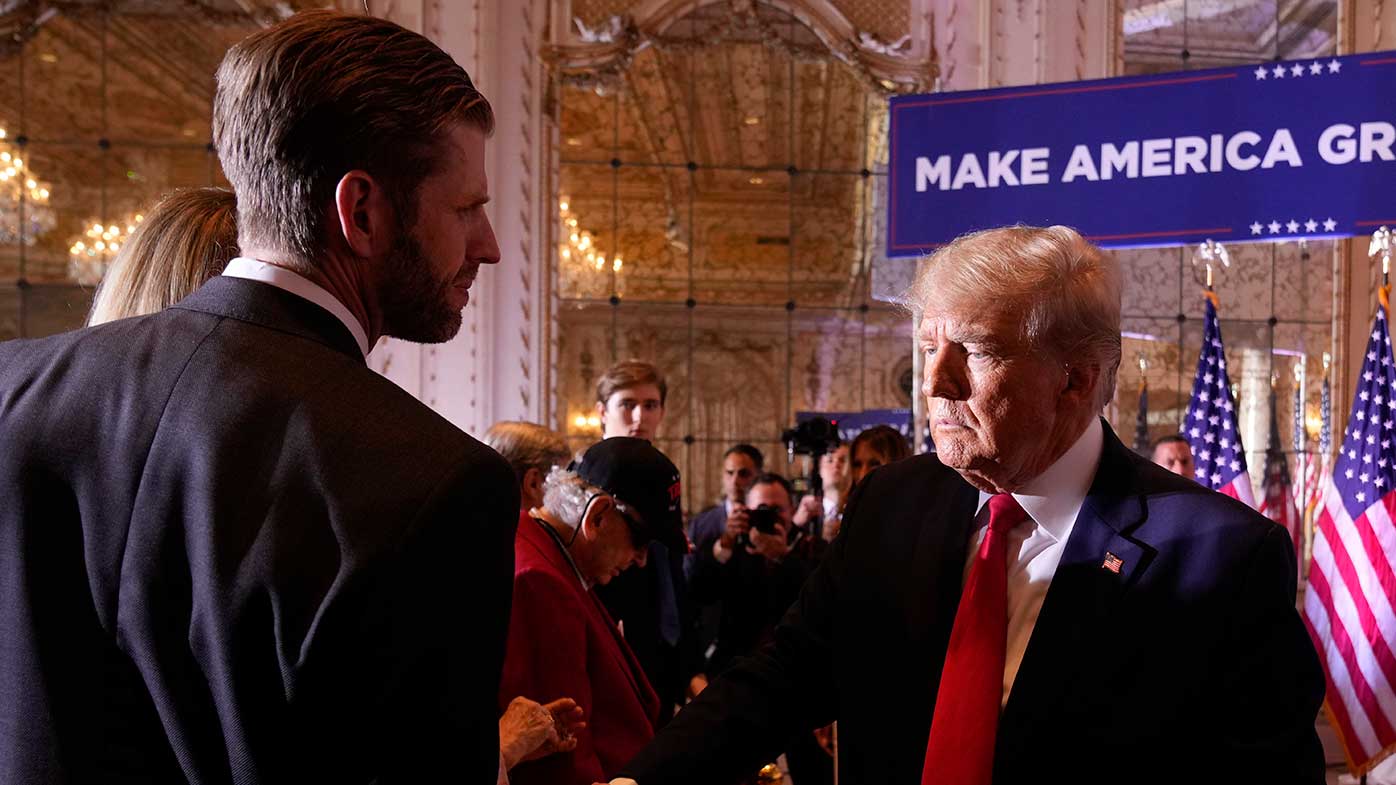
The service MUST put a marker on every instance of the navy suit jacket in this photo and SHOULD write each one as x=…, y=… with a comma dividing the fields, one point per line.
x=1188, y=665
x=231, y=553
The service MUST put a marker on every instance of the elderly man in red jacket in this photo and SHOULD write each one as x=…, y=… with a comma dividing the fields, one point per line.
x=596, y=521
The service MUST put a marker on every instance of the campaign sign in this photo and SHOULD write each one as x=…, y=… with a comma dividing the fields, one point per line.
x=850, y=424
x=1275, y=151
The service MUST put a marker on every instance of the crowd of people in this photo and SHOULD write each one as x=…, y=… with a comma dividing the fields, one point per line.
x=230, y=552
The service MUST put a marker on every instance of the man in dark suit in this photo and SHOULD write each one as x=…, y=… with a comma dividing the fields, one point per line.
x=230, y=552
x=1034, y=603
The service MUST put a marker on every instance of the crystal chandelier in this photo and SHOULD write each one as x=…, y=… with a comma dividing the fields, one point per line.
x=24, y=209
x=89, y=255
x=582, y=256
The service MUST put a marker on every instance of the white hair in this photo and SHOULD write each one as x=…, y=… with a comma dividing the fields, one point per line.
x=1070, y=290
x=565, y=495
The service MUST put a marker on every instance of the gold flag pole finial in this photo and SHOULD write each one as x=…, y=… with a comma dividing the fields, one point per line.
x=1210, y=254
x=1381, y=245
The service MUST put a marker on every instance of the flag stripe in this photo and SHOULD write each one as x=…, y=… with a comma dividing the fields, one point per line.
x=1348, y=538
x=1354, y=623
x=1357, y=734
x=1240, y=489
x=1358, y=695
x=1378, y=542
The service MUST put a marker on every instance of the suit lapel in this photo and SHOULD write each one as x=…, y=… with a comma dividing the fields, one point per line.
x=941, y=552
x=1100, y=564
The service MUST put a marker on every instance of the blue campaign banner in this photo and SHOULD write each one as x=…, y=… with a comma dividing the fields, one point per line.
x=1274, y=151
x=850, y=424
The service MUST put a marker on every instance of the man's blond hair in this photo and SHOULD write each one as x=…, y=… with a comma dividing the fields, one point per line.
x=1068, y=289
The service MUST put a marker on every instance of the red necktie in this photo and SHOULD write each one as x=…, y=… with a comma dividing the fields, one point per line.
x=963, y=728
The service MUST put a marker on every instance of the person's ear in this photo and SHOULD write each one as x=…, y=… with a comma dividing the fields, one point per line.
x=595, y=518
x=364, y=217
x=1081, y=383
x=533, y=483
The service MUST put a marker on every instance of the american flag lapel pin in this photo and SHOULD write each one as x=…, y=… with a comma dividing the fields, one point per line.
x=1112, y=563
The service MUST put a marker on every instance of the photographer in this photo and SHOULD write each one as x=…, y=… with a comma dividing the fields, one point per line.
x=755, y=569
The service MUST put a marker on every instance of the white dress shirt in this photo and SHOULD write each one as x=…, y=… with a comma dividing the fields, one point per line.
x=1052, y=501
x=281, y=278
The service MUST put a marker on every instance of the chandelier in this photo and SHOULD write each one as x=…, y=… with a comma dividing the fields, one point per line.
x=89, y=255
x=582, y=256
x=24, y=209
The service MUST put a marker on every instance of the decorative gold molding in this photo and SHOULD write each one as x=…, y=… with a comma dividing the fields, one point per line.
x=883, y=66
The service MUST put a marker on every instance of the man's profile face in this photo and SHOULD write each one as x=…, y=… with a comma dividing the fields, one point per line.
x=631, y=411
x=991, y=397
x=1175, y=456
x=613, y=550
x=429, y=271
x=738, y=470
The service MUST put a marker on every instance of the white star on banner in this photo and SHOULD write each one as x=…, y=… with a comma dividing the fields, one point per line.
x=1195, y=431
x=1205, y=455
x=1292, y=226
x=1297, y=70
x=1236, y=466
x=1208, y=378
x=1216, y=479
x=1334, y=66
x=1274, y=227
x=1349, y=473
x=1330, y=225
x=1364, y=477
x=1315, y=68
x=1255, y=228
x=1361, y=497
x=1311, y=225
x=1261, y=73
x=1279, y=72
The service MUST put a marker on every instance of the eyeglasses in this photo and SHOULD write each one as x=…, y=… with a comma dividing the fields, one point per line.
x=639, y=537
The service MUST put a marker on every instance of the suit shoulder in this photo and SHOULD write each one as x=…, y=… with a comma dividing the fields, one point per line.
x=923, y=470
x=1186, y=506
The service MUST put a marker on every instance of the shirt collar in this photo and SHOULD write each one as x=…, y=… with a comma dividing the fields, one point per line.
x=281, y=278
x=1054, y=498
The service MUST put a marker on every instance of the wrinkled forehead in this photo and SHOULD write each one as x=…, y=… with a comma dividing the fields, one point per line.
x=964, y=320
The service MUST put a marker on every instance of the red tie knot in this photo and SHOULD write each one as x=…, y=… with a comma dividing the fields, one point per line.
x=1005, y=513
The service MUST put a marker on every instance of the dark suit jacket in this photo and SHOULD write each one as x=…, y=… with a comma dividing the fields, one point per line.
x=1189, y=665
x=705, y=530
x=231, y=553
x=563, y=644
x=634, y=599
x=752, y=592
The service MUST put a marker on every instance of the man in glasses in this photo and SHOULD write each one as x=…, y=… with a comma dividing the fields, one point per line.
x=596, y=521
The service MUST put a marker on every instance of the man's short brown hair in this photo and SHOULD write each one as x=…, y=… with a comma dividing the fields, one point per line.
x=627, y=374
x=321, y=94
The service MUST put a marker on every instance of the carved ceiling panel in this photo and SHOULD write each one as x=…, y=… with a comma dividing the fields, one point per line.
x=734, y=171
x=113, y=101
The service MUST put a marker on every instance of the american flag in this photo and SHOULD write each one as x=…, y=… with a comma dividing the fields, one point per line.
x=1317, y=472
x=1277, y=502
x=1210, y=427
x=1352, y=578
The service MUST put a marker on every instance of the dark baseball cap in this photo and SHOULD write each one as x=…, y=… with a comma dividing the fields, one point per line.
x=641, y=477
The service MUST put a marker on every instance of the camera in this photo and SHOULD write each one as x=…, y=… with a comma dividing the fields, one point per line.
x=763, y=518
x=815, y=436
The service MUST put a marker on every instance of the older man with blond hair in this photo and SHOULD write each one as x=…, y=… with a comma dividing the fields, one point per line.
x=1034, y=602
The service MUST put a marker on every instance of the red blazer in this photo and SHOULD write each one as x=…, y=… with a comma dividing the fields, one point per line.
x=563, y=644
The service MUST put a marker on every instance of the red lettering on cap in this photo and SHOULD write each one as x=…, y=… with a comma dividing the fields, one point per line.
x=675, y=492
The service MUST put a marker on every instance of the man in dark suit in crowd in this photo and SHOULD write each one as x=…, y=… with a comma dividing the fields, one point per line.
x=1035, y=603
x=230, y=552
